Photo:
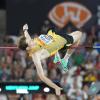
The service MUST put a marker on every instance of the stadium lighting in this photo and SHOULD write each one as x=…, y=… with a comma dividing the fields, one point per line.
x=46, y=89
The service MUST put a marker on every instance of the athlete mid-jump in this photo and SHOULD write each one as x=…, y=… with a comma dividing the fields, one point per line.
x=44, y=46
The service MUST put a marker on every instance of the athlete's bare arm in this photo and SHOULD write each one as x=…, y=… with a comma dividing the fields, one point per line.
x=28, y=37
x=37, y=62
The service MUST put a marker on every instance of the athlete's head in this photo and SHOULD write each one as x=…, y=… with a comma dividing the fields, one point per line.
x=22, y=43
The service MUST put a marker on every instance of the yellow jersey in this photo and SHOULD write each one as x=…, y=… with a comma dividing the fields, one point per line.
x=51, y=42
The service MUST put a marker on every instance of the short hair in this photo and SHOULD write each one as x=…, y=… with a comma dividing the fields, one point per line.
x=22, y=43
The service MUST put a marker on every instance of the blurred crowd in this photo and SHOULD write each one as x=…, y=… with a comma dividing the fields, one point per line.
x=15, y=65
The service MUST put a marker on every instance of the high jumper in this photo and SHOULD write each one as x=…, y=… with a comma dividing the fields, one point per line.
x=44, y=46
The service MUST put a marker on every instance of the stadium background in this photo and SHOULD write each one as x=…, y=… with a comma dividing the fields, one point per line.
x=14, y=65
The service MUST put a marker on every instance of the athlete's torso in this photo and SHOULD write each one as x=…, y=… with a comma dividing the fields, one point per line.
x=51, y=42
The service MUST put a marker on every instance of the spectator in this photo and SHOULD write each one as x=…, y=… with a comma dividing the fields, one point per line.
x=74, y=92
x=64, y=82
x=90, y=77
x=78, y=58
x=84, y=92
x=89, y=65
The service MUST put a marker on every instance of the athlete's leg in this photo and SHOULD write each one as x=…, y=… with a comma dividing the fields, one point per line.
x=37, y=61
x=76, y=41
x=57, y=58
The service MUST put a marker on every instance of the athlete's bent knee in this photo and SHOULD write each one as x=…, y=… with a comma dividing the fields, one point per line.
x=79, y=33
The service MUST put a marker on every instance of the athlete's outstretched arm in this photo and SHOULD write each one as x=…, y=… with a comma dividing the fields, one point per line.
x=29, y=40
x=37, y=62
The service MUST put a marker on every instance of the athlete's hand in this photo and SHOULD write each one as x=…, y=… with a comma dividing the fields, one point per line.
x=25, y=27
x=58, y=91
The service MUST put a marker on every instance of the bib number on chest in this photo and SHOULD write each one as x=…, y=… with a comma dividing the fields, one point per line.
x=46, y=39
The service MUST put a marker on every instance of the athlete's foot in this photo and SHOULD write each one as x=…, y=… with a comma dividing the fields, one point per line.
x=58, y=91
x=57, y=59
x=64, y=64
